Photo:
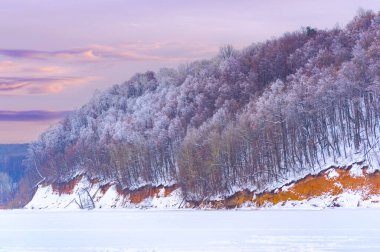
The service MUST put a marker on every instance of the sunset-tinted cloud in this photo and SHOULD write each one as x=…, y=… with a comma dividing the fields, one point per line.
x=32, y=115
x=131, y=51
x=38, y=85
x=20, y=67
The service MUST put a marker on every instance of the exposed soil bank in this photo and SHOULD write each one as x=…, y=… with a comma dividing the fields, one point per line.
x=328, y=185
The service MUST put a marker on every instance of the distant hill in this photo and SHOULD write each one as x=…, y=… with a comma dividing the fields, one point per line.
x=12, y=169
x=13, y=149
x=11, y=160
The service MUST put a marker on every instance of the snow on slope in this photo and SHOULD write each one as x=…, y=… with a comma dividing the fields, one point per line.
x=85, y=193
x=354, y=185
x=348, y=199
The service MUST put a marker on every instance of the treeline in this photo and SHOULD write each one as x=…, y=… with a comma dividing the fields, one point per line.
x=244, y=119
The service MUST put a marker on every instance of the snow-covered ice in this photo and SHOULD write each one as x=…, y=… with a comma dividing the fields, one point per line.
x=190, y=230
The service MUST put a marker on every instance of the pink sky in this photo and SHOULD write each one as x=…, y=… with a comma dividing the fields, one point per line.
x=55, y=54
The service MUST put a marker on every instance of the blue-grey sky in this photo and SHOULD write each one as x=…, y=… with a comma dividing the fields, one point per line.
x=55, y=54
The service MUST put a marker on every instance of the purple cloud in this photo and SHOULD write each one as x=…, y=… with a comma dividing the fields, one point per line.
x=85, y=54
x=134, y=51
x=38, y=85
x=31, y=115
x=22, y=53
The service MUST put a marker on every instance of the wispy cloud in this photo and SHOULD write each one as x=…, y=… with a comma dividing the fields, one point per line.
x=51, y=70
x=132, y=51
x=16, y=68
x=38, y=85
x=31, y=115
x=30, y=72
x=86, y=55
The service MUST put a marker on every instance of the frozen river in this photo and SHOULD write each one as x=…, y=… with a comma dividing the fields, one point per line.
x=190, y=230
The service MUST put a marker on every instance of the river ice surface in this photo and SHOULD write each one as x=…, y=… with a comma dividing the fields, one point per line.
x=190, y=230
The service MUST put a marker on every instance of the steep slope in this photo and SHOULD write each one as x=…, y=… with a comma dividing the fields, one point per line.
x=352, y=186
x=81, y=192
x=244, y=120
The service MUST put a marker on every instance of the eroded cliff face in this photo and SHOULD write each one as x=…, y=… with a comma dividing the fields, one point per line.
x=334, y=183
x=349, y=186
x=82, y=192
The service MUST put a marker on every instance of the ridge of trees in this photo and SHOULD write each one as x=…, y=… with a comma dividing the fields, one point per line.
x=243, y=119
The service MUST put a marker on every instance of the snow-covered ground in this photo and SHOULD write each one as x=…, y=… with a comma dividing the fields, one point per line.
x=190, y=230
x=47, y=198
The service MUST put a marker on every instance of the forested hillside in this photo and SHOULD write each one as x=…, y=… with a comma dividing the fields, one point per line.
x=241, y=120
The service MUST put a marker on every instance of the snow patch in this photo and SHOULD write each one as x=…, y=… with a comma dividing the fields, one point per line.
x=332, y=173
x=356, y=170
